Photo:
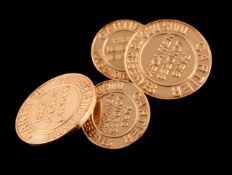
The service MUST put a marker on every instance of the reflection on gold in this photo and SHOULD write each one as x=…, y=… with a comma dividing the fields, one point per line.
x=97, y=112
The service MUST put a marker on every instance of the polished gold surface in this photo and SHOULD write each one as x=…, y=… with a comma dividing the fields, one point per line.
x=121, y=115
x=108, y=48
x=56, y=107
x=168, y=59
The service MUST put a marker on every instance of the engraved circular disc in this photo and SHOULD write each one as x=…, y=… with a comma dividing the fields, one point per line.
x=168, y=59
x=56, y=107
x=120, y=117
x=108, y=48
